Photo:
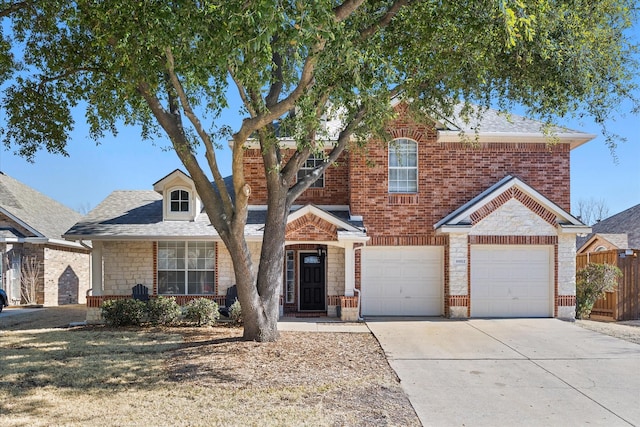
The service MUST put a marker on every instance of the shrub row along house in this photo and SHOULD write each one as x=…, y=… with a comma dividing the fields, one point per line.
x=426, y=224
x=37, y=265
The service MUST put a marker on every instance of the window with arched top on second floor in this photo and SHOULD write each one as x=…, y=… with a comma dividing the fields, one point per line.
x=179, y=201
x=403, y=166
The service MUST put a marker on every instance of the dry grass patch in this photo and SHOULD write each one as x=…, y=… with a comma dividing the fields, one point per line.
x=196, y=376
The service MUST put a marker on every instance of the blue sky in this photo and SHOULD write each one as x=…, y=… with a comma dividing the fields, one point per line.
x=82, y=180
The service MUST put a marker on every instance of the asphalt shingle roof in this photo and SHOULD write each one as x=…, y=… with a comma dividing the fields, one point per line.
x=138, y=215
x=43, y=215
x=494, y=121
x=626, y=222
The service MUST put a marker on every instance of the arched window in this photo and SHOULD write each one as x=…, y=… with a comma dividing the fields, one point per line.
x=403, y=166
x=179, y=201
x=600, y=249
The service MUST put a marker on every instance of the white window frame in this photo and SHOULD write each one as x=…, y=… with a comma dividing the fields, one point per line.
x=192, y=257
x=179, y=215
x=180, y=201
x=314, y=160
x=399, y=148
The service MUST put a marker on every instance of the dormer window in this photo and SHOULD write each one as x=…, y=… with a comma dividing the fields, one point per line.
x=179, y=201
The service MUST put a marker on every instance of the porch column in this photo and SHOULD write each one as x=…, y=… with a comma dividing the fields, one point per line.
x=96, y=269
x=349, y=269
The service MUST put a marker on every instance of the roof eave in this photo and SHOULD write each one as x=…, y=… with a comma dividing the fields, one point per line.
x=574, y=139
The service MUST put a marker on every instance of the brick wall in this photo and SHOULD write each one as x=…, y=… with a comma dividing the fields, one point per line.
x=67, y=275
x=335, y=191
x=450, y=174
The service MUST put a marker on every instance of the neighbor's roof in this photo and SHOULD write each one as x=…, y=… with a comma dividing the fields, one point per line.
x=626, y=222
x=41, y=215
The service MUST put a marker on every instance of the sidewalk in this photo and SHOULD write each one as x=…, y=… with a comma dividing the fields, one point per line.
x=321, y=325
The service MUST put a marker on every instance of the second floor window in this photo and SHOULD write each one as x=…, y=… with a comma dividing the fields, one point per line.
x=403, y=166
x=312, y=162
x=179, y=201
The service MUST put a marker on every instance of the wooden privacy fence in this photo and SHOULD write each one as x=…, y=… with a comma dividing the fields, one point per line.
x=623, y=303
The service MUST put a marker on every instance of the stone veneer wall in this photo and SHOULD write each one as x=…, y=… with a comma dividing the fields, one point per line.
x=127, y=264
x=226, y=276
x=335, y=270
x=67, y=276
x=513, y=218
x=567, y=274
x=458, y=272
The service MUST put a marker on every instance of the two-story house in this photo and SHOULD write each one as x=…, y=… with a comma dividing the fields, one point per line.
x=433, y=222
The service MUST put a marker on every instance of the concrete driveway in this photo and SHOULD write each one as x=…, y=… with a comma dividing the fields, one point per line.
x=512, y=372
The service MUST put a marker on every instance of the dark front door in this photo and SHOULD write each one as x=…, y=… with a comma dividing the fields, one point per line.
x=312, y=282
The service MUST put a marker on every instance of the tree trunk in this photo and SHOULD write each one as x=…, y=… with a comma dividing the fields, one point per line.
x=263, y=324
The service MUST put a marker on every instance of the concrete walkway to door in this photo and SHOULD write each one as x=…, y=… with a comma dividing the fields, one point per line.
x=512, y=372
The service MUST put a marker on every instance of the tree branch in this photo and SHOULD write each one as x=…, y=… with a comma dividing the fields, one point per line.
x=345, y=10
x=385, y=20
x=343, y=139
x=14, y=7
x=172, y=127
x=204, y=136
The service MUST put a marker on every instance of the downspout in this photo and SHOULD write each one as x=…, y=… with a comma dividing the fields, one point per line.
x=360, y=318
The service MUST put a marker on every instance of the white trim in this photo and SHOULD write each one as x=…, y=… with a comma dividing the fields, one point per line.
x=312, y=209
x=158, y=186
x=168, y=214
x=466, y=228
x=294, y=207
x=460, y=217
x=416, y=167
x=575, y=229
x=20, y=222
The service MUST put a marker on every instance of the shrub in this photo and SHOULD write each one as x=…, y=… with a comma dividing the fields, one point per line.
x=202, y=311
x=163, y=311
x=235, y=313
x=592, y=281
x=123, y=312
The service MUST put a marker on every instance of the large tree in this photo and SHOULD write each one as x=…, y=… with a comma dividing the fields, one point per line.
x=171, y=66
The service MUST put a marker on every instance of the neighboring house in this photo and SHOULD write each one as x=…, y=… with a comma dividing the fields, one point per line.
x=431, y=224
x=620, y=231
x=31, y=227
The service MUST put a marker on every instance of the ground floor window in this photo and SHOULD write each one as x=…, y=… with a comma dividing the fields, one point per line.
x=186, y=268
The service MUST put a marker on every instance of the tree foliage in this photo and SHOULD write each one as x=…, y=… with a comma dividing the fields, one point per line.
x=170, y=67
x=592, y=283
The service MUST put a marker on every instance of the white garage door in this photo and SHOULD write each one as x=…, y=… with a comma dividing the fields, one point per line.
x=402, y=281
x=511, y=281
